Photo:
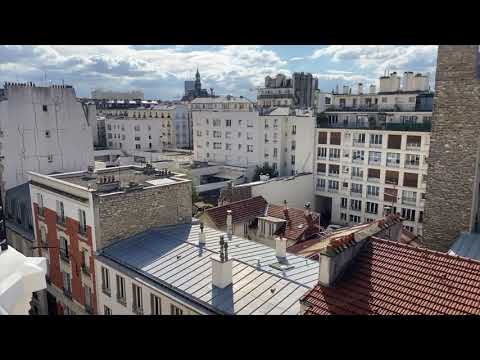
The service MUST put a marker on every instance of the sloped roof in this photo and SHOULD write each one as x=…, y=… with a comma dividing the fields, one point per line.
x=390, y=278
x=297, y=226
x=242, y=211
x=467, y=245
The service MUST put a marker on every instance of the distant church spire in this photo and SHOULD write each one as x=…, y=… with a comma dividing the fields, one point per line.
x=197, y=75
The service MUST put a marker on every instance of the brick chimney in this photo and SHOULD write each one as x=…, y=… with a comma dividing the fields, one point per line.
x=222, y=266
x=285, y=211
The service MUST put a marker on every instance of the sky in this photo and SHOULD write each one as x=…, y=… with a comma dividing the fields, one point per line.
x=234, y=69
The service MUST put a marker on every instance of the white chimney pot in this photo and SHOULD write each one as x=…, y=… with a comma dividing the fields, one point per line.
x=281, y=247
x=221, y=272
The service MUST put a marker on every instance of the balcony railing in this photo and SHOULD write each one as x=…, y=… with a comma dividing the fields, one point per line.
x=358, y=177
x=322, y=173
x=358, y=160
x=412, y=165
x=374, y=162
x=333, y=174
x=409, y=201
x=373, y=179
x=334, y=158
x=356, y=193
x=41, y=212
x=394, y=164
x=358, y=143
x=137, y=310
x=121, y=300
x=321, y=157
x=376, y=125
x=332, y=190
x=320, y=188
x=373, y=196
x=414, y=146
x=377, y=146
x=64, y=256
x=355, y=209
x=106, y=291
x=67, y=293
x=61, y=220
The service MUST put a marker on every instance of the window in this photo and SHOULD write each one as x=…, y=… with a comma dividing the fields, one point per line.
x=275, y=153
x=155, y=305
x=149, y=137
x=239, y=146
x=357, y=172
x=249, y=148
x=137, y=305
x=321, y=184
x=174, y=310
x=359, y=139
x=393, y=159
x=121, y=290
x=217, y=134
x=333, y=185
x=374, y=157
x=321, y=153
x=60, y=213
x=294, y=129
x=343, y=216
x=137, y=138
x=123, y=137
x=373, y=191
x=47, y=133
x=333, y=170
x=110, y=143
x=228, y=147
x=356, y=188
x=109, y=127
x=294, y=145
x=67, y=284
x=408, y=214
x=394, y=142
x=149, y=128
x=45, y=108
x=293, y=159
x=137, y=146
x=376, y=139
x=41, y=209
x=412, y=161
x=228, y=123
x=391, y=177
x=384, y=100
x=239, y=122
x=50, y=158
x=355, y=219
x=420, y=217
x=107, y=310
x=228, y=134
x=217, y=145
x=136, y=128
x=409, y=197
x=344, y=203
x=88, y=297
x=105, y=281
x=373, y=175
x=372, y=208
x=410, y=180
x=322, y=137
x=334, y=154
x=83, y=221
x=390, y=195
x=414, y=142
x=335, y=138
x=358, y=155
x=249, y=136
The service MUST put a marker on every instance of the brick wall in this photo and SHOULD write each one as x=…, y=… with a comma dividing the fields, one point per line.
x=454, y=144
x=124, y=215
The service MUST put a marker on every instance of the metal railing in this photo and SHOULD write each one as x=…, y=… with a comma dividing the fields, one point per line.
x=375, y=125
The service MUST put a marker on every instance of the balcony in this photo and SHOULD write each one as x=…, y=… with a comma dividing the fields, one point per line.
x=322, y=173
x=376, y=146
x=409, y=201
x=61, y=222
x=357, y=143
x=82, y=233
x=394, y=164
x=414, y=146
x=374, y=162
x=333, y=174
x=372, y=196
x=333, y=190
x=106, y=291
x=333, y=158
x=358, y=160
x=320, y=188
x=412, y=164
x=121, y=300
x=321, y=157
x=373, y=179
x=355, y=209
x=357, y=177
x=374, y=124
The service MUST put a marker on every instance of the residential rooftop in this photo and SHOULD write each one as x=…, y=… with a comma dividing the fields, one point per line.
x=115, y=179
x=172, y=259
x=390, y=278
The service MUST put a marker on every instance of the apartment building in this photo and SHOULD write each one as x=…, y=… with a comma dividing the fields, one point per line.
x=42, y=130
x=281, y=91
x=286, y=142
x=141, y=128
x=226, y=130
x=183, y=126
x=189, y=269
x=366, y=167
x=77, y=214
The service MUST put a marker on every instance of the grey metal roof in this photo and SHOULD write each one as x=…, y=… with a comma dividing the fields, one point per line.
x=171, y=256
x=467, y=245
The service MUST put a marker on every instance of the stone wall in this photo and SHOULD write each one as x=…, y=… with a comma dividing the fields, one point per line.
x=125, y=214
x=452, y=163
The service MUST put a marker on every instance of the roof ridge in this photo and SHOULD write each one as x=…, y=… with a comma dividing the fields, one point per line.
x=235, y=202
x=425, y=250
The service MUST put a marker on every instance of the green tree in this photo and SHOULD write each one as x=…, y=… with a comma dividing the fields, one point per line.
x=264, y=170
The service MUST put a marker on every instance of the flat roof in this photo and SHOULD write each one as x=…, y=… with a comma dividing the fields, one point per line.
x=171, y=257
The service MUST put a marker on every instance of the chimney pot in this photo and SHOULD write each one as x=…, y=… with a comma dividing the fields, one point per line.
x=281, y=247
x=222, y=267
x=201, y=239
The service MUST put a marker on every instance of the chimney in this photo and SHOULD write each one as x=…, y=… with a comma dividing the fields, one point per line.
x=285, y=210
x=281, y=247
x=229, y=225
x=222, y=267
x=201, y=238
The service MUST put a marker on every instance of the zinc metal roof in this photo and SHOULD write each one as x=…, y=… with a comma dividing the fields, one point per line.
x=467, y=245
x=171, y=256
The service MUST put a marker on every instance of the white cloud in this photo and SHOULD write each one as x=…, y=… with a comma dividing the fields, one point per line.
x=297, y=58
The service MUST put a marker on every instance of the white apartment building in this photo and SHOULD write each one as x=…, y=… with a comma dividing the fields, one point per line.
x=42, y=129
x=286, y=143
x=141, y=128
x=368, y=164
x=226, y=130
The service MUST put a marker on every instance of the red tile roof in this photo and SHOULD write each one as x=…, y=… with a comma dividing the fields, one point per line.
x=243, y=210
x=391, y=278
x=297, y=226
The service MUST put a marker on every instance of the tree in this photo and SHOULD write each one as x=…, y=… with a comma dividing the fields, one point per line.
x=264, y=170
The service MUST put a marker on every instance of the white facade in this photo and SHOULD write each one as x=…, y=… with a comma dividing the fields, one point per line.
x=108, y=300
x=226, y=130
x=366, y=172
x=42, y=129
x=20, y=277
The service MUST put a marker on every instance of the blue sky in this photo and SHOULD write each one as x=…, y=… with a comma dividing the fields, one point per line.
x=236, y=69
